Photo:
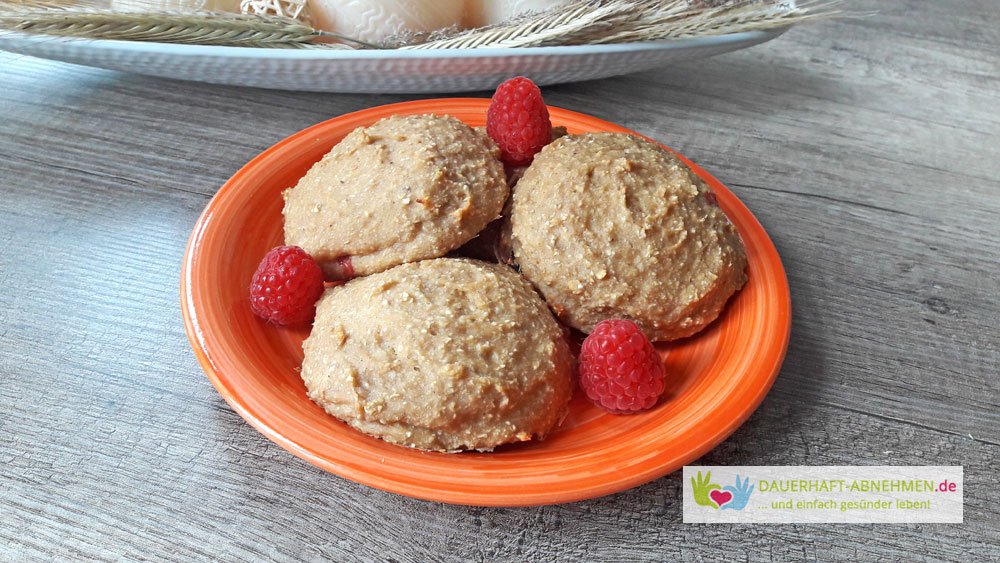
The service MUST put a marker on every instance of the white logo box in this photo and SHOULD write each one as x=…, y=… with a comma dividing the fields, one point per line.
x=823, y=494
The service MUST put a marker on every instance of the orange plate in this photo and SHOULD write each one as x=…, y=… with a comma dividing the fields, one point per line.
x=716, y=379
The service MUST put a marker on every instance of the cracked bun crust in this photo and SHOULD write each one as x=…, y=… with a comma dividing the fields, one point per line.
x=407, y=188
x=609, y=225
x=444, y=355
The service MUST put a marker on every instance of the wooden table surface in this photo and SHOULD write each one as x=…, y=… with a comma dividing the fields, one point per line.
x=869, y=149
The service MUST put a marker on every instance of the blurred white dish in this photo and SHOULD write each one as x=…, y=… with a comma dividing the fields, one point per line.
x=488, y=12
x=376, y=20
x=372, y=71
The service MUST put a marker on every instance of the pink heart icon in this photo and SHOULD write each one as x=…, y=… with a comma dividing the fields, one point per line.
x=720, y=497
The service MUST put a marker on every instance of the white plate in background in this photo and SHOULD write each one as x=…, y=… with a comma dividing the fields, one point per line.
x=375, y=71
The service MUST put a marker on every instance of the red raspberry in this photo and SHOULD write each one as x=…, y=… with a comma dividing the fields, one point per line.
x=518, y=121
x=619, y=368
x=286, y=286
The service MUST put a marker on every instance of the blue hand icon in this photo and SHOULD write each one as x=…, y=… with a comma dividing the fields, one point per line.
x=741, y=494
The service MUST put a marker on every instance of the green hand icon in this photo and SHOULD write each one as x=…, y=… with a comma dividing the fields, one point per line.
x=702, y=487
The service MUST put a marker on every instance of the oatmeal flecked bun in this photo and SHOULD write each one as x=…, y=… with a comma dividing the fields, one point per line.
x=404, y=189
x=609, y=225
x=443, y=355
